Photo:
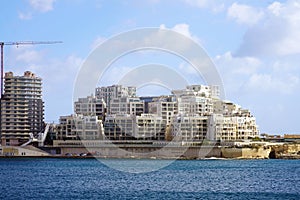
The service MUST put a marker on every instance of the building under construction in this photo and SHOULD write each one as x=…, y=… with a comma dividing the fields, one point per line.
x=22, y=108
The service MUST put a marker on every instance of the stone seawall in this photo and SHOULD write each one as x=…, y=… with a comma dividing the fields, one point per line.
x=246, y=153
x=146, y=152
x=287, y=151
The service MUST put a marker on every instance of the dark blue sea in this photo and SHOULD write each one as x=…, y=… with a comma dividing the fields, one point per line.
x=29, y=178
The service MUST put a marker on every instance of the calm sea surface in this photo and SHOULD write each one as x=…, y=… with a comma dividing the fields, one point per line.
x=184, y=179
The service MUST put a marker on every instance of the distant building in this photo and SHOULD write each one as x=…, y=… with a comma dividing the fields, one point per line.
x=195, y=99
x=22, y=108
x=131, y=127
x=150, y=127
x=115, y=91
x=190, y=128
x=164, y=107
x=90, y=106
x=230, y=128
x=147, y=100
x=200, y=90
x=79, y=127
x=119, y=127
x=195, y=113
x=126, y=105
x=291, y=137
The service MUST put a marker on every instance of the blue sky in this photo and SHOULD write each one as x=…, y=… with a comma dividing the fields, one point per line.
x=254, y=45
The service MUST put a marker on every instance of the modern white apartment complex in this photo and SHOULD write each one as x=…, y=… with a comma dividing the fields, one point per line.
x=75, y=127
x=190, y=128
x=119, y=127
x=126, y=105
x=225, y=121
x=195, y=113
x=131, y=127
x=90, y=106
x=150, y=127
x=164, y=107
x=115, y=91
x=22, y=108
x=229, y=128
x=195, y=99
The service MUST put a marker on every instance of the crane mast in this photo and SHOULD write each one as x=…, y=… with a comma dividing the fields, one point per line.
x=2, y=44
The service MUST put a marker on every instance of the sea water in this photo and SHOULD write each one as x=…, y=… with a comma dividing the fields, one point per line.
x=49, y=178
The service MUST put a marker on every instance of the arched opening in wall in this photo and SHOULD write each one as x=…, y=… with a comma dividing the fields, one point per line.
x=272, y=154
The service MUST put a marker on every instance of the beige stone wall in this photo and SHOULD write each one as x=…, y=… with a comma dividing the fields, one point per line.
x=19, y=151
x=147, y=152
x=260, y=152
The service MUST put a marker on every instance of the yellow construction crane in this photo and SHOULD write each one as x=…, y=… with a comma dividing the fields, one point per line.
x=17, y=44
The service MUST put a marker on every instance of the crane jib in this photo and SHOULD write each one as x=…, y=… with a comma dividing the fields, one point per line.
x=17, y=44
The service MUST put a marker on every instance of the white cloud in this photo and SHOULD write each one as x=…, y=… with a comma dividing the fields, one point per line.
x=238, y=65
x=25, y=16
x=254, y=76
x=184, y=29
x=235, y=71
x=277, y=34
x=285, y=84
x=42, y=5
x=244, y=14
x=27, y=54
x=275, y=8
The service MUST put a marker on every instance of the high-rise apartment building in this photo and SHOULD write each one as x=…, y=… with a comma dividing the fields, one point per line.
x=22, y=108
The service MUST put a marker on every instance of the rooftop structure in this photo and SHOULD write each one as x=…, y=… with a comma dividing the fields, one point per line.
x=115, y=91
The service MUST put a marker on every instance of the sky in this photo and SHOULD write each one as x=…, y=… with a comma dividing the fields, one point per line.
x=254, y=45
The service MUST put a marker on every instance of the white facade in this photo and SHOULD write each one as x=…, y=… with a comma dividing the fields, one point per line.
x=192, y=105
x=119, y=127
x=230, y=128
x=190, y=128
x=115, y=91
x=126, y=105
x=164, y=108
x=150, y=127
x=210, y=91
x=90, y=106
x=75, y=127
x=193, y=114
x=129, y=127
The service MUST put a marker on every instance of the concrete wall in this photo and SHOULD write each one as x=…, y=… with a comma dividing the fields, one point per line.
x=19, y=151
x=147, y=152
